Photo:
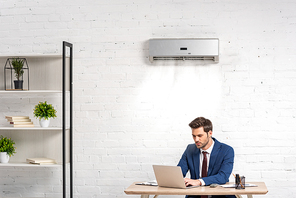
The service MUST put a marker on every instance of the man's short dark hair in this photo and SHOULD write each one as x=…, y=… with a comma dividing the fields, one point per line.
x=201, y=122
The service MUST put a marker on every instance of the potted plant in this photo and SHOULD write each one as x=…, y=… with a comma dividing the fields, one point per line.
x=17, y=64
x=7, y=149
x=44, y=112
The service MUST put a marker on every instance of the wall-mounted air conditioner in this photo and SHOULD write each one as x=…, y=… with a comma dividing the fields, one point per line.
x=184, y=49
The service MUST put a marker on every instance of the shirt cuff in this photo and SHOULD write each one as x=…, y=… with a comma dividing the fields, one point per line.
x=202, y=182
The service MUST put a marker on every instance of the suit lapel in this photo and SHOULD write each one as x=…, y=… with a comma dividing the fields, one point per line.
x=214, y=155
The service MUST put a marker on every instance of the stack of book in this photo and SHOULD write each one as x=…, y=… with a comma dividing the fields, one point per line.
x=40, y=161
x=19, y=121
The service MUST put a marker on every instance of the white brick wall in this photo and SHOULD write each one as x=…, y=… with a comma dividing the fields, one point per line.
x=130, y=114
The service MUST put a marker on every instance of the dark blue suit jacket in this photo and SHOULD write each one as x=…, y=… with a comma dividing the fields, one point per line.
x=220, y=167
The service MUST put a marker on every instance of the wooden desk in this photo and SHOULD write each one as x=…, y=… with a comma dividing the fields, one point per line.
x=145, y=191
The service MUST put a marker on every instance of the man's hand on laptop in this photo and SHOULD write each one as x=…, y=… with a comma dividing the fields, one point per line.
x=192, y=182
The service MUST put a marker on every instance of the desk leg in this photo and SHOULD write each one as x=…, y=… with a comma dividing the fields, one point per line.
x=239, y=196
x=147, y=196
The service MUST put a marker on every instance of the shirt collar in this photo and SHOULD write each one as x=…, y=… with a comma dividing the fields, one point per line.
x=209, y=150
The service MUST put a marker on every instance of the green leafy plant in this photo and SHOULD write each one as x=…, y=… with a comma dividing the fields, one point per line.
x=17, y=64
x=7, y=145
x=44, y=110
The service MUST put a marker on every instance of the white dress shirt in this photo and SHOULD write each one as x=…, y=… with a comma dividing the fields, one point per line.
x=209, y=150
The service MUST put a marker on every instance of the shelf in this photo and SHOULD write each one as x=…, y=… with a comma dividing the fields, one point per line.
x=24, y=164
x=33, y=128
x=29, y=91
x=34, y=197
x=32, y=56
x=46, y=73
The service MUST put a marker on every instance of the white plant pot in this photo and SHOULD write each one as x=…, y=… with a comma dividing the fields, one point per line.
x=4, y=157
x=43, y=122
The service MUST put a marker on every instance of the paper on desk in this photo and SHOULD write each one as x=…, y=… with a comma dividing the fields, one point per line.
x=149, y=183
x=233, y=185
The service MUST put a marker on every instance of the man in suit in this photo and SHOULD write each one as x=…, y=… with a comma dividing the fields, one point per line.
x=208, y=160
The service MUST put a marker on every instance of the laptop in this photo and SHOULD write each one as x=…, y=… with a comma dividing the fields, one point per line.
x=170, y=176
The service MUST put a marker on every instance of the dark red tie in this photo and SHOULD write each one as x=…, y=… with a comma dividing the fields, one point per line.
x=204, y=170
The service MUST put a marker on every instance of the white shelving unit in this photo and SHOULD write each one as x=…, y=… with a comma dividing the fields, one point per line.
x=50, y=76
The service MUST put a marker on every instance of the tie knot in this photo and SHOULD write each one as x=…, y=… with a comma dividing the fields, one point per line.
x=204, y=153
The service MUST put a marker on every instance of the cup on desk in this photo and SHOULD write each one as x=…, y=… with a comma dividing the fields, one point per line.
x=239, y=182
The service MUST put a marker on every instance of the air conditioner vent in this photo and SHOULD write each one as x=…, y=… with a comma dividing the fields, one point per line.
x=186, y=58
